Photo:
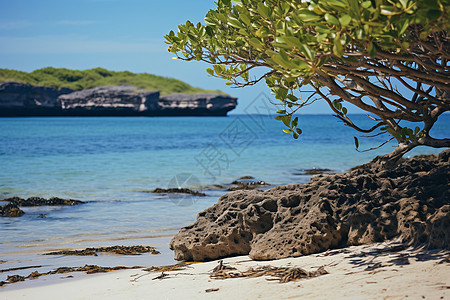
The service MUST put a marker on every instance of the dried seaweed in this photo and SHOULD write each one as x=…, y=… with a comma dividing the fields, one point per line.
x=222, y=267
x=334, y=252
x=175, y=267
x=282, y=274
x=89, y=269
x=19, y=268
x=15, y=278
x=121, y=250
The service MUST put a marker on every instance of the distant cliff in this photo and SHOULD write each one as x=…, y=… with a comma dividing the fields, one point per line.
x=19, y=99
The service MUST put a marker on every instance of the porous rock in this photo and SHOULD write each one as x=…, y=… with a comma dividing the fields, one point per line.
x=11, y=210
x=38, y=201
x=365, y=205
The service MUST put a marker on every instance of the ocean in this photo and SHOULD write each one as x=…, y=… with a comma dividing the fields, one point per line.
x=112, y=163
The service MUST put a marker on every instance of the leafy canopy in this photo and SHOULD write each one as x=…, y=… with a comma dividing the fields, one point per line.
x=366, y=53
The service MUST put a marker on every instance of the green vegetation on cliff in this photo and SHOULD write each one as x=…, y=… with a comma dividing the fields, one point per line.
x=85, y=79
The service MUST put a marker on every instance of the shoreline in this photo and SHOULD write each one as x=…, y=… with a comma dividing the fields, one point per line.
x=369, y=271
x=391, y=265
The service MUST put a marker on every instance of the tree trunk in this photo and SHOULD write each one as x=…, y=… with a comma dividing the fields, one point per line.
x=390, y=160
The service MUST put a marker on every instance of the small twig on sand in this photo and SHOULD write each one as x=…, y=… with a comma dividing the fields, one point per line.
x=162, y=276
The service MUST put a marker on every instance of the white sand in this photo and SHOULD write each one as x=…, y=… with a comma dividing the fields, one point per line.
x=411, y=274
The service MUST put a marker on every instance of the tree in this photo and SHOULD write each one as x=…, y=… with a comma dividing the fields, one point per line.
x=389, y=58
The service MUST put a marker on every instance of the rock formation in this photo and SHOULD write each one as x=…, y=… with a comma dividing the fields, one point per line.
x=199, y=104
x=38, y=201
x=11, y=210
x=365, y=205
x=19, y=99
x=23, y=99
x=108, y=100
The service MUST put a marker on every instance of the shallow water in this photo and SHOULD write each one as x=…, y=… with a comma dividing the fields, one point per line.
x=110, y=162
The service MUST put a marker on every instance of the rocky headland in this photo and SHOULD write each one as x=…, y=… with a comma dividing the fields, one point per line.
x=367, y=204
x=20, y=99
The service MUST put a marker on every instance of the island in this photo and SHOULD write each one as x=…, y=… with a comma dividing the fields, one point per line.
x=110, y=94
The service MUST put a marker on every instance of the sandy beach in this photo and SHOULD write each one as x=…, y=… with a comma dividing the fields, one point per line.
x=378, y=271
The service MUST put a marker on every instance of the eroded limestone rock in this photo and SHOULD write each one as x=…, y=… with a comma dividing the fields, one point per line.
x=362, y=206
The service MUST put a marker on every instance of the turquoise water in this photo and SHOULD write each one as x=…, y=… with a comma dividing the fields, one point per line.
x=109, y=162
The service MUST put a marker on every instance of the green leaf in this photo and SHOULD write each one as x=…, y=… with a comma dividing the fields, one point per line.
x=235, y=23
x=245, y=18
x=300, y=65
x=263, y=10
x=245, y=76
x=404, y=27
x=287, y=120
x=256, y=43
x=366, y=4
x=309, y=54
x=287, y=130
x=433, y=14
x=209, y=30
x=388, y=10
x=219, y=69
x=344, y=110
x=282, y=112
x=283, y=60
x=416, y=130
x=307, y=16
x=392, y=132
x=295, y=135
x=332, y=20
x=292, y=98
x=338, y=49
x=336, y=3
x=337, y=104
x=354, y=4
x=294, y=122
x=280, y=93
x=345, y=20
x=360, y=34
x=372, y=49
x=291, y=41
x=356, y=142
x=299, y=131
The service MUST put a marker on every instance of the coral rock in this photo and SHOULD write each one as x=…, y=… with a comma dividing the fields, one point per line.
x=364, y=205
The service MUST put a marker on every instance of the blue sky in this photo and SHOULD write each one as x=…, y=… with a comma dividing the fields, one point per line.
x=113, y=34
